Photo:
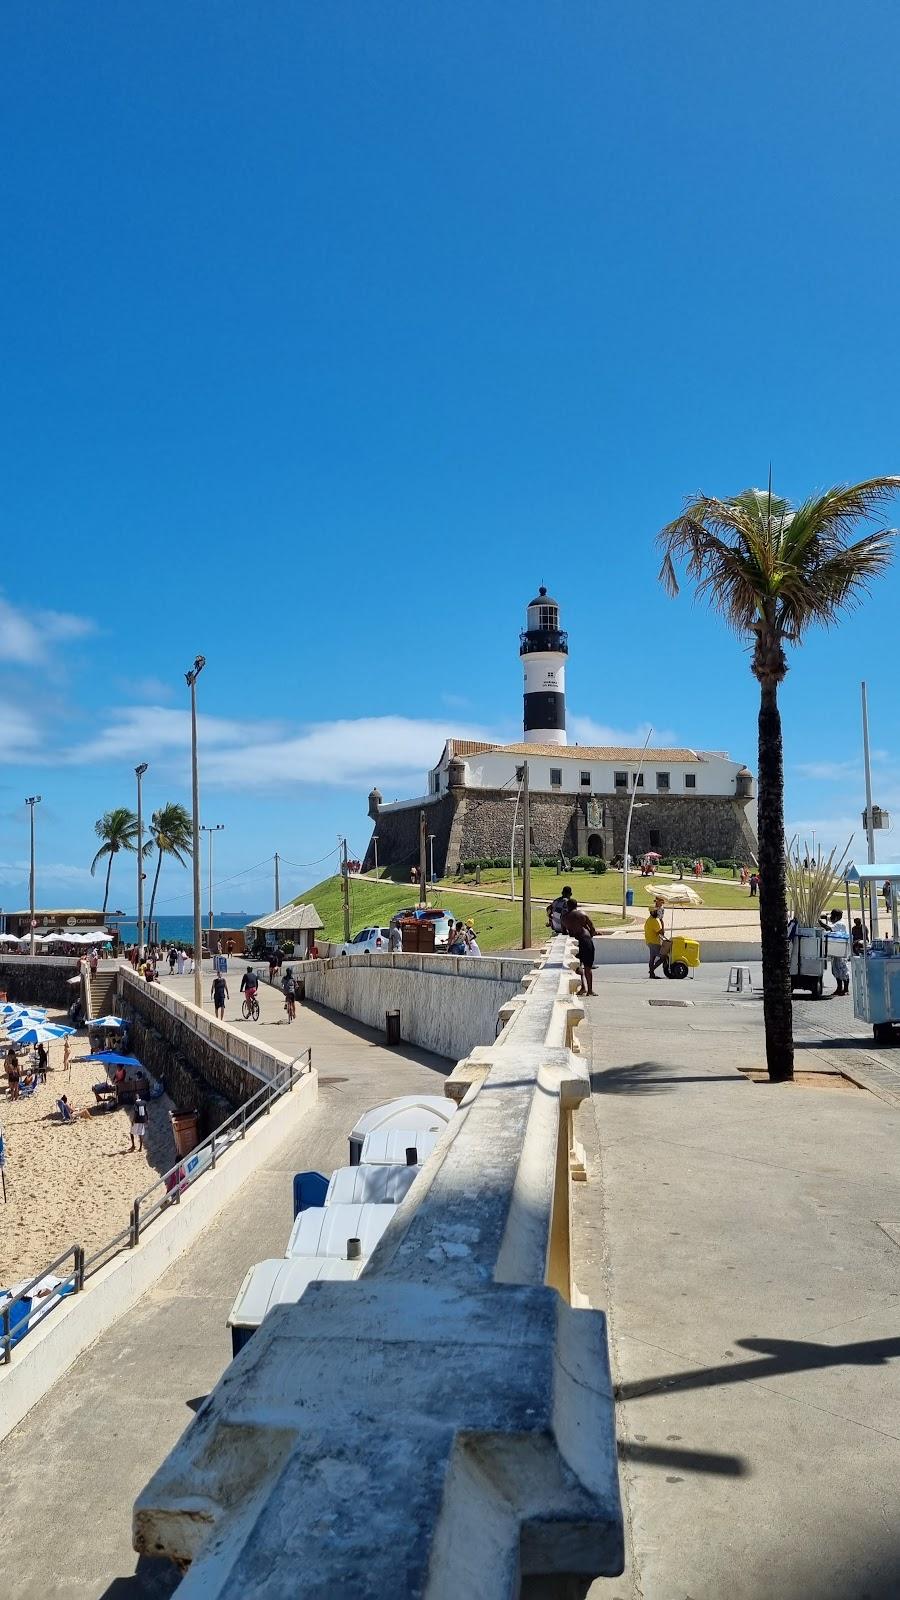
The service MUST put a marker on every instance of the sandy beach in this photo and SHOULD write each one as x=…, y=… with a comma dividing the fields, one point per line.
x=71, y=1183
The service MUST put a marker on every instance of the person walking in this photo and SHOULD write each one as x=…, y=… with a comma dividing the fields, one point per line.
x=220, y=994
x=395, y=939
x=654, y=933
x=138, y=1122
x=754, y=884
x=456, y=941
x=578, y=925
x=181, y=959
x=888, y=893
x=42, y=1063
x=471, y=938
x=172, y=959
x=557, y=909
x=840, y=966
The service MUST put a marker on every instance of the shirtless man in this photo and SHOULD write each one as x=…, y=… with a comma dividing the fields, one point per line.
x=578, y=925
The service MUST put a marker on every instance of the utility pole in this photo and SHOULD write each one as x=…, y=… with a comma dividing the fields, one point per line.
x=870, y=825
x=375, y=848
x=191, y=680
x=431, y=857
x=345, y=887
x=32, y=801
x=423, y=860
x=211, y=828
x=634, y=790
x=139, y=773
x=277, y=886
x=526, y=860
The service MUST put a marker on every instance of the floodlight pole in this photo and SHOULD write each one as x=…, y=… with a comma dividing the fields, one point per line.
x=870, y=825
x=526, y=860
x=139, y=773
x=32, y=801
x=191, y=679
x=277, y=885
x=634, y=790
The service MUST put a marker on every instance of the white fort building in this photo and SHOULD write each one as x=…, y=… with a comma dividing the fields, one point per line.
x=690, y=802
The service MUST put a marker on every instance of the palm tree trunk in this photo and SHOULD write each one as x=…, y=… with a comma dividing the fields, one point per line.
x=155, y=886
x=773, y=918
x=106, y=890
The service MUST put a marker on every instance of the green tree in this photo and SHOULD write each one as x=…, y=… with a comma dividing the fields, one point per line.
x=771, y=569
x=171, y=831
x=119, y=831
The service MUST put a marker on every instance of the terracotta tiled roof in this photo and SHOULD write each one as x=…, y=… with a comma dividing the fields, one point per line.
x=572, y=752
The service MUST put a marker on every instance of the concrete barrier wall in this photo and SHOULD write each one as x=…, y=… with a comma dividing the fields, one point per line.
x=448, y=1004
x=40, y=980
x=734, y=951
x=443, y=1426
x=207, y=1066
x=42, y=1358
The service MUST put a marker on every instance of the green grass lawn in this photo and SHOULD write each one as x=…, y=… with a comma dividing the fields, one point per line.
x=606, y=888
x=498, y=923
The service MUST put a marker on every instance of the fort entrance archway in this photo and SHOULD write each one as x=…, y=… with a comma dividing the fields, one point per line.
x=595, y=845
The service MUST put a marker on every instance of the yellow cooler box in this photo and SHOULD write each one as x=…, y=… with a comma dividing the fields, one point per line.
x=686, y=950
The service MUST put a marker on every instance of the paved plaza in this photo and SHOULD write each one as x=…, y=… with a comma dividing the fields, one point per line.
x=749, y=1257
x=744, y=1238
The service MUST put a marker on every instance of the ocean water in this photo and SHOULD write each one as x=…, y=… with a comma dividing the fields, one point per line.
x=182, y=928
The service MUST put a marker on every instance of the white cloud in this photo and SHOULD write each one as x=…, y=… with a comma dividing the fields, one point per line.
x=827, y=831
x=20, y=732
x=342, y=754
x=15, y=873
x=152, y=731
x=24, y=636
x=584, y=730
x=828, y=771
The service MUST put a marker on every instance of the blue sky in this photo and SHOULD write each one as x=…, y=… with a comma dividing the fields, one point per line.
x=330, y=331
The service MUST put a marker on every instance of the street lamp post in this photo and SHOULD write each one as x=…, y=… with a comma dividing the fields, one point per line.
x=216, y=827
x=191, y=680
x=32, y=801
x=431, y=856
x=375, y=846
x=139, y=773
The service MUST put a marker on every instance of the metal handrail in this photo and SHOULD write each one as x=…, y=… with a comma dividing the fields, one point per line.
x=260, y=1104
x=76, y=1277
x=172, y=1182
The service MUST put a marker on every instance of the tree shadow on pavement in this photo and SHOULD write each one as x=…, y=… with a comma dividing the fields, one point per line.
x=652, y=1077
x=779, y=1356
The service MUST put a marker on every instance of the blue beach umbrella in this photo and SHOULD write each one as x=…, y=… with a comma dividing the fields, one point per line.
x=110, y=1058
x=38, y=1032
x=105, y=1022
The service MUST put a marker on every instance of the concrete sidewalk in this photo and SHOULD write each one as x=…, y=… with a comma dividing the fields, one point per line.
x=70, y=1472
x=751, y=1244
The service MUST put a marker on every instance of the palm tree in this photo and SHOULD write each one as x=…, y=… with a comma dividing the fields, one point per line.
x=171, y=831
x=119, y=831
x=772, y=569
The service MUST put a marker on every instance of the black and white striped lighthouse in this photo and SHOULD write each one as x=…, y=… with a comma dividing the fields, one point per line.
x=543, y=648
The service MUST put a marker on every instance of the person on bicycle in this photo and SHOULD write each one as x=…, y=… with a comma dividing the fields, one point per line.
x=219, y=996
x=249, y=986
x=290, y=989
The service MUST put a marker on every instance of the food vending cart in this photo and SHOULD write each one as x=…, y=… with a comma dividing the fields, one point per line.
x=875, y=967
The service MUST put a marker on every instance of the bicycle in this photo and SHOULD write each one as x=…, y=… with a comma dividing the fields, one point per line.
x=250, y=1008
x=289, y=1007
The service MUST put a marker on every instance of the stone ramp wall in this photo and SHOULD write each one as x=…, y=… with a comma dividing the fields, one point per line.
x=40, y=980
x=448, y=1004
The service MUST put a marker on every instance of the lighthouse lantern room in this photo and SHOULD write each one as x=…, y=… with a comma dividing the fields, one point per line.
x=543, y=649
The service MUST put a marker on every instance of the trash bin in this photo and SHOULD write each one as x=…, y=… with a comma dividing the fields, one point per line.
x=392, y=1027
x=184, y=1128
x=629, y=897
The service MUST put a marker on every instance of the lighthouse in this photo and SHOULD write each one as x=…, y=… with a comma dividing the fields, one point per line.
x=543, y=648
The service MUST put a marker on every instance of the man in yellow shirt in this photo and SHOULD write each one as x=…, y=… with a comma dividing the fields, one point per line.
x=655, y=939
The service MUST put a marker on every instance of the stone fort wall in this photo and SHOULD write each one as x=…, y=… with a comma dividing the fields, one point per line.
x=468, y=823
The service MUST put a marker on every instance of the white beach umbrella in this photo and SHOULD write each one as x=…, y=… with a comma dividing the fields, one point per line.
x=105, y=1022
x=673, y=894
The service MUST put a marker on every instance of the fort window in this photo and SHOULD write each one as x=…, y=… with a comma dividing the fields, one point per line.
x=690, y=780
x=585, y=780
x=621, y=780
x=639, y=781
x=556, y=777
x=662, y=780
